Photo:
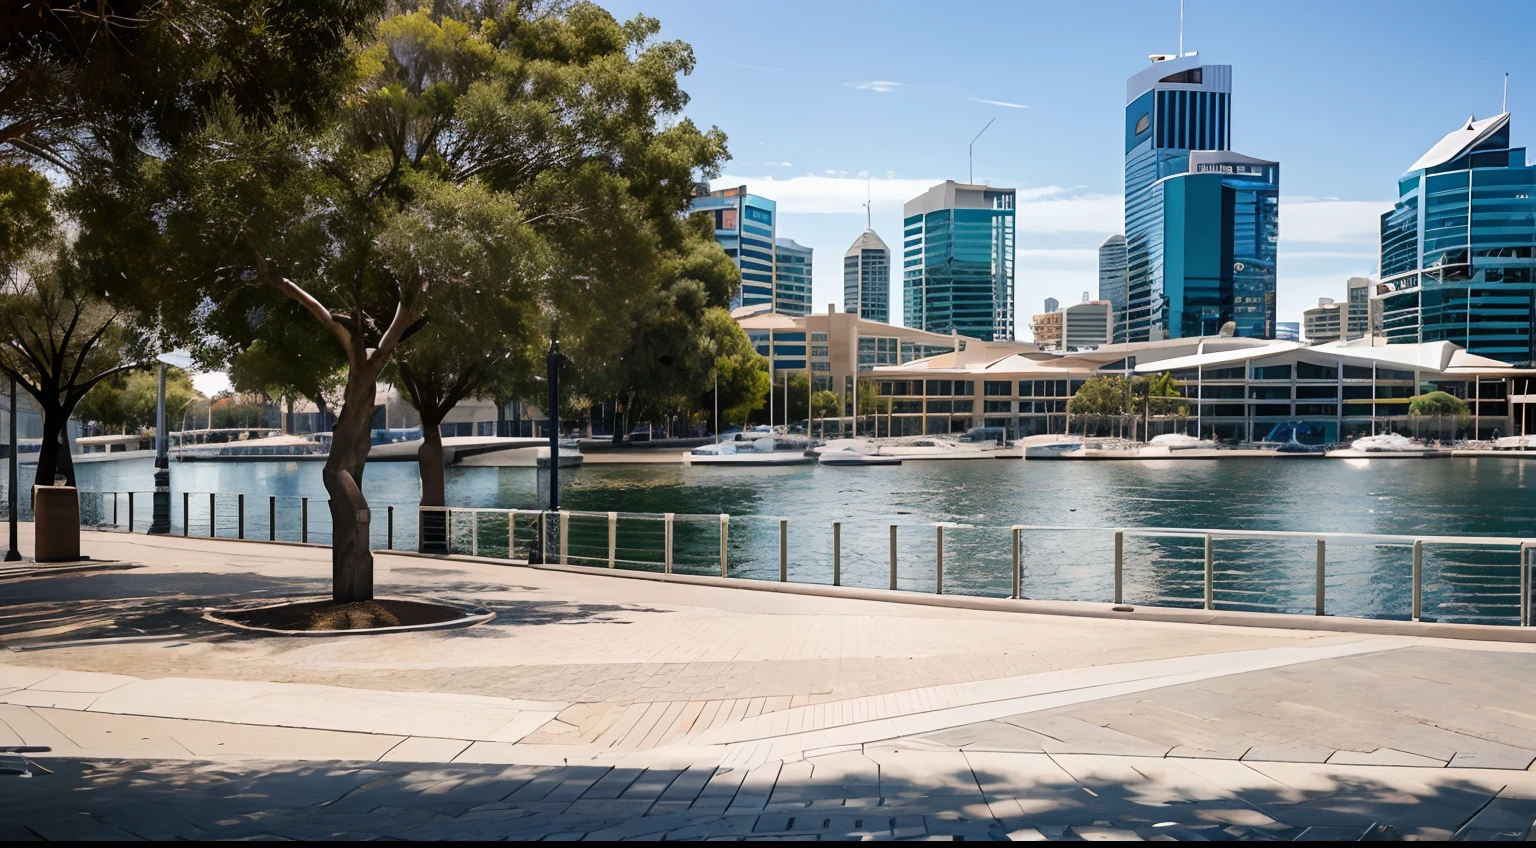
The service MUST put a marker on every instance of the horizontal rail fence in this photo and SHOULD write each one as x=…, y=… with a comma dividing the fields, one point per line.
x=1435, y=578
x=233, y=515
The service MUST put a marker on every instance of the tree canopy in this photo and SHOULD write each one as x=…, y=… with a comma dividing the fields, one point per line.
x=1437, y=403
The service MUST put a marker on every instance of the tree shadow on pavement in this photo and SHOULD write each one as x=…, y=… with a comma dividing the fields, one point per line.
x=1025, y=796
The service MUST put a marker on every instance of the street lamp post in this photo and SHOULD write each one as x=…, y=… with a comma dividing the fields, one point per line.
x=14, y=552
x=552, y=364
x=160, y=522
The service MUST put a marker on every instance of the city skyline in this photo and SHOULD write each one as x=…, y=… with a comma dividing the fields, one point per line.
x=1058, y=122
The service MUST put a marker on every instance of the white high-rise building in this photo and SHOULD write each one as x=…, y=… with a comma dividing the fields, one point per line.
x=867, y=278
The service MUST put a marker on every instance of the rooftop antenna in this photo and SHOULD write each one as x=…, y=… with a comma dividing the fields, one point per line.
x=1181, y=29
x=970, y=152
x=869, y=220
x=1504, y=106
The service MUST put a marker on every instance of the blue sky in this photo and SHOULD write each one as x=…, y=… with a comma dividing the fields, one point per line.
x=1344, y=94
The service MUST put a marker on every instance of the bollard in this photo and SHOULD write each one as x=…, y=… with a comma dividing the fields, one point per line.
x=543, y=534
x=1418, y=579
x=213, y=514
x=272, y=518
x=783, y=550
x=1018, y=565
x=304, y=520
x=1119, y=567
x=1210, y=575
x=186, y=518
x=667, y=541
x=114, y=509
x=893, y=556
x=240, y=514
x=837, y=553
x=725, y=534
x=938, y=562
x=130, y=512
x=389, y=530
x=613, y=539
x=1322, y=575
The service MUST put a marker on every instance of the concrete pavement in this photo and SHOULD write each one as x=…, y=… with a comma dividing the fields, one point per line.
x=592, y=703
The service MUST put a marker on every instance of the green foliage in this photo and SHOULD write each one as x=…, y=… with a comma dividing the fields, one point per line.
x=825, y=404
x=26, y=214
x=1102, y=395
x=1437, y=403
x=870, y=402
x=1159, y=392
x=127, y=402
x=741, y=371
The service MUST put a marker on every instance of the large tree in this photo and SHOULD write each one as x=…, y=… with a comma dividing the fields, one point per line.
x=455, y=140
x=58, y=338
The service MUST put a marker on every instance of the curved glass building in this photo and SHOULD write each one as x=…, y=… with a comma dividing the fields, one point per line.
x=1201, y=222
x=1458, y=249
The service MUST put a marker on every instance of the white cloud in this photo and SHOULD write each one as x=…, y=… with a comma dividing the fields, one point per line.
x=1331, y=221
x=779, y=164
x=211, y=383
x=875, y=85
x=1002, y=103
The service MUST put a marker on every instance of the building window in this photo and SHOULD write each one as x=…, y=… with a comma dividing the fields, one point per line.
x=994, y=388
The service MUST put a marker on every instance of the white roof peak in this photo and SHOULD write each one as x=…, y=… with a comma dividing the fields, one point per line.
x=1460, y=140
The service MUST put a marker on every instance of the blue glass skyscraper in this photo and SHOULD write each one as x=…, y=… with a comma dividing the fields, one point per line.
x=745, y=228
x=957, y=261
x=1201, y=222
x=1458, y=249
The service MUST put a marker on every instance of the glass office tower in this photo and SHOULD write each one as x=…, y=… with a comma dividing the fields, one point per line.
x=957, y=261
x=744, y=226
x=1175, y=106
x=792, y=278
x=1221, y=231
x=1458, y=249
x=1112, y=282
x=867, y=278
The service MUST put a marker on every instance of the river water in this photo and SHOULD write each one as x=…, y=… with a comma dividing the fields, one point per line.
x=1475, y=497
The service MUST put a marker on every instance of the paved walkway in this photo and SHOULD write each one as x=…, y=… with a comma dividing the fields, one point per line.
x=610, y=707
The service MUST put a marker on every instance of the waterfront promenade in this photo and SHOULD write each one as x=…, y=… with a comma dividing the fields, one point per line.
x=610, y=707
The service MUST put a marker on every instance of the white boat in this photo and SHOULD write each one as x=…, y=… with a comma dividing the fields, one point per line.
x=849, y=456
x=1180, y=441
x=1386, y=443
x=1051, y=446
x=861, y=446
x=934, y=449
x=759, y=452
x=272, y=448
x=1515, y=443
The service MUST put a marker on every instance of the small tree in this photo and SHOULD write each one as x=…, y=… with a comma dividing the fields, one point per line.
x=129, y=401
x=1437, y=404
x=1100, y=397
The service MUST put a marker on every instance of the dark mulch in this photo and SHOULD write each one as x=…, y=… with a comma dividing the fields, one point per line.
x=325, y=615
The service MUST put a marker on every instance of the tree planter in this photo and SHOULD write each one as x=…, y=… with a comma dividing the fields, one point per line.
x=323, y=617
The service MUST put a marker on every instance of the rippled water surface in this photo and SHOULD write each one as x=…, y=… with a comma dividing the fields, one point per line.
x=1478, y=497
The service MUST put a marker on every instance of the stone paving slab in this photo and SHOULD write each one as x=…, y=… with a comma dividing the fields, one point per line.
x=989, y=796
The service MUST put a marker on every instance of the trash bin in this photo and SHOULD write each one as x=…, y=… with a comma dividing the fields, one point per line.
x=56, y=527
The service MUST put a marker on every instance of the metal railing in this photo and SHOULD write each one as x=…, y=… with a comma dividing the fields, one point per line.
x=1455, y=578
x=224, y=515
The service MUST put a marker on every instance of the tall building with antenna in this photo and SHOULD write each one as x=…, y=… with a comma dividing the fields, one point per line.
x=1458, y=248
x=1201, y=222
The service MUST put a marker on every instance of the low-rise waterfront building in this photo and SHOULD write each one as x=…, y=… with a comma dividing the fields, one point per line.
x=1238, y=389
x=1046, y=329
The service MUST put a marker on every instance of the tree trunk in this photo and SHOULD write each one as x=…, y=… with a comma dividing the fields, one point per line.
x=53, y=457
x=351, y=557
x=430, y=460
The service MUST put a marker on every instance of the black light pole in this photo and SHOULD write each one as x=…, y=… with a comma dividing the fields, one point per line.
x=552, y=363
x=14, y=553
x=161, y=518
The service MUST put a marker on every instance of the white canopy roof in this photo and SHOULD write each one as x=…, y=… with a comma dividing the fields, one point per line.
x=1459, y=141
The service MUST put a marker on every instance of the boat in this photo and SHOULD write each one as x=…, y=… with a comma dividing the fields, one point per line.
x=849, y=456
x=1515, y=443
x=1387, y=446
x=1053, y=446
x=1181, y=441
x=270, y=448
x=934, y=449
x=758, y=452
